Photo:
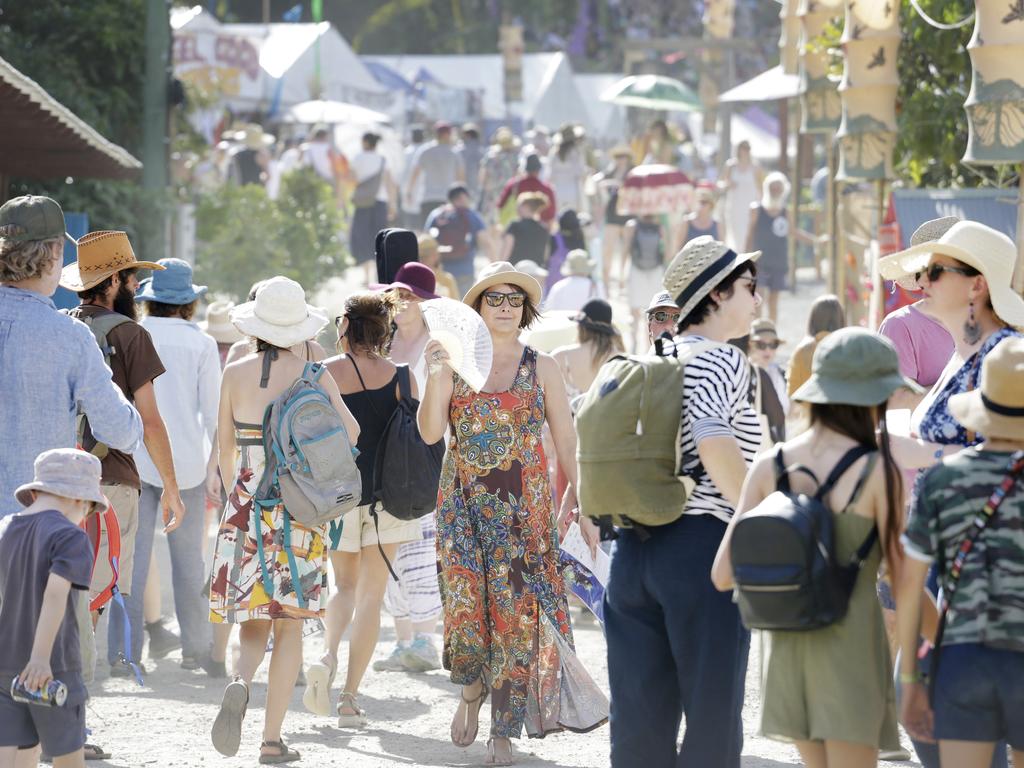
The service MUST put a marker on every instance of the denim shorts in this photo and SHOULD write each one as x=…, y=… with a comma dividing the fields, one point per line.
x=61, y=730
x=979, y=694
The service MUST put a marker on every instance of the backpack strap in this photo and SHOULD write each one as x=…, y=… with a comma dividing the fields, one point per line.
x=848, y=460
x=782, y=471
x=312, y=372
x=269, y=356
x=404, y=384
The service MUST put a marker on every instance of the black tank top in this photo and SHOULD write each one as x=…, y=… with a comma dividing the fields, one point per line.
x=372, y=408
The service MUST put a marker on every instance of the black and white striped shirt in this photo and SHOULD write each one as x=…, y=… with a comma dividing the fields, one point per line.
x=717, y=402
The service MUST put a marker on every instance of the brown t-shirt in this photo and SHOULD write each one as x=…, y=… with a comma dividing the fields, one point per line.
x=134, y=364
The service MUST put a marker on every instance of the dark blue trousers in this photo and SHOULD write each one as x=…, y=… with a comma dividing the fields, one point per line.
x=675, y=647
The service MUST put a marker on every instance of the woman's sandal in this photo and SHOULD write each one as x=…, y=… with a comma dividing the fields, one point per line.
x=285, y=753
x=492, y=759
x=479, y=701
x=356, y=720
x=226, y=733
x=319, y=678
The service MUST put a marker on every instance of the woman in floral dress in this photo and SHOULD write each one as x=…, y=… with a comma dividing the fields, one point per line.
x=507, y=630
x=257, y=590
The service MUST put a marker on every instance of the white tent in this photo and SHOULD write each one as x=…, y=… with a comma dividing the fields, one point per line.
x=607, y=120
x=269, y=66
x=550, y=96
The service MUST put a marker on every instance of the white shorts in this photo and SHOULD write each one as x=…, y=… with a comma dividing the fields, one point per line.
x=358, y=530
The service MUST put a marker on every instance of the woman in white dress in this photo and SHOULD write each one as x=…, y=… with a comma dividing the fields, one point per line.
x=742, y=187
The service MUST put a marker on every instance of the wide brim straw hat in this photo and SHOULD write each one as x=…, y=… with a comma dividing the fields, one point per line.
x=100, y=255
x=218, y=323
x=698, y=269
x=65, y=472
x=279, y=314
x=928, y=232
x=503, y=273
x=996, y=408
x=853, y=366
x=990, y=252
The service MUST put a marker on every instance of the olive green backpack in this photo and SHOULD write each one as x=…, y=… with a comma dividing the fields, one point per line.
x=628, y=440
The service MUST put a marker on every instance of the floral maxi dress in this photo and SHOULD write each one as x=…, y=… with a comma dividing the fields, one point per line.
x=504, y=597
x=237, y=586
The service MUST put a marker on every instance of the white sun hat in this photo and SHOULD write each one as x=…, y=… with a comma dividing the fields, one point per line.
x=279, y=314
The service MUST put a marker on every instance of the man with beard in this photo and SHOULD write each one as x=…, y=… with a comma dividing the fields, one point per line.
x=104, y=279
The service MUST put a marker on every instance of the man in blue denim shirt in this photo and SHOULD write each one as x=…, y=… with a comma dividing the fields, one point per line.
x=49, y=362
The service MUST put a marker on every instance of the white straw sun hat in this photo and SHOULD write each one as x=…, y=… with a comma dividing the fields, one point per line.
x=279, y=315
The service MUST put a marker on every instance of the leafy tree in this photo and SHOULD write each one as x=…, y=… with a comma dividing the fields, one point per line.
x=244, y=236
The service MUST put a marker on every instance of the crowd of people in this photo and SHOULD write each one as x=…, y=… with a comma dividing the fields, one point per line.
x=147, y=419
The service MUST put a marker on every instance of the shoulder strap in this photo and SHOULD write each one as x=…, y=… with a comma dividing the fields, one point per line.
x=353, y=361
x=847, y=461
x=312, y=371
x=782, y=472
x=865, y=473
x=404, y=386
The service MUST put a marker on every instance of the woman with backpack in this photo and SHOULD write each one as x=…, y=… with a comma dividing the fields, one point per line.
x=829, y=689
x=506, y=620
x=255, y=572
x=370, y=386
x=643, y=263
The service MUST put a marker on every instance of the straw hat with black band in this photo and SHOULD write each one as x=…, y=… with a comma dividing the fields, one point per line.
x=503, y=273
x=100, y=255
x=990, y=252
x=698, y=269
x=996, y=408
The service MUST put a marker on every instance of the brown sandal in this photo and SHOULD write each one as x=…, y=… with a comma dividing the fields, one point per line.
x=285, y=753
x=479, y=701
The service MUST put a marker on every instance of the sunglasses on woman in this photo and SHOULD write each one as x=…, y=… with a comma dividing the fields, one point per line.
x=497, y=298
x=662, y=316
x=765, y=345
x=934, y=272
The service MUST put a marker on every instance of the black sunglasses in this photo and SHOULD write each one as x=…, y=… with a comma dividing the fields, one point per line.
x=751, y=284
x=934, y=272
x=497, y=298
x=765, y=345
x=662, y=315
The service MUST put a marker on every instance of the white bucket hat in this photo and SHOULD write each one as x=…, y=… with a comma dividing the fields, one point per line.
x=66, y=472
x=990, y=252
x=279, y=315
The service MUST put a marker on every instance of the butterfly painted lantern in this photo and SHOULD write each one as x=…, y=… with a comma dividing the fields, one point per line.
x=820, y=106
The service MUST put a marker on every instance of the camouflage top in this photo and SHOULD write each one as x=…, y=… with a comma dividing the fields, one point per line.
x=988, y=608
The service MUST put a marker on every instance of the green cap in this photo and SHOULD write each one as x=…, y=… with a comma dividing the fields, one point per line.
x=31, y=217
x=853, y=366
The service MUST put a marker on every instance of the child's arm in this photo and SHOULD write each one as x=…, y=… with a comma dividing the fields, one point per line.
x=37, y=672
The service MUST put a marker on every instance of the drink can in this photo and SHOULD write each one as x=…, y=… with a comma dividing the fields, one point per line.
x=53, y=694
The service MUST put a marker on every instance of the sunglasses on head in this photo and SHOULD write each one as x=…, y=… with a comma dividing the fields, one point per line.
x=934, y=272
x=661, y=316
x=497, y=298
x=765, y=345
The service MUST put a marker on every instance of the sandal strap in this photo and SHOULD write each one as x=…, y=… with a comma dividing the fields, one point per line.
x=483, y=694
x=351, y=698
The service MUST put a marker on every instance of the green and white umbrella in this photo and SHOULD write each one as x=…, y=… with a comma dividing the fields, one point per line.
x=652, y=92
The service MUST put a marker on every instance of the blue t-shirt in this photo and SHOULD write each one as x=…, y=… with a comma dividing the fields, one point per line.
x=32, y=546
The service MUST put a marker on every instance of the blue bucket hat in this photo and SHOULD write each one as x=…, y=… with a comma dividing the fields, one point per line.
x=171, y=286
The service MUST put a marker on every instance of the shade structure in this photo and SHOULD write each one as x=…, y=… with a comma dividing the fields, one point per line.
x=771, y=85
x=654, y=189
x=333, y=113
x=652, y=92
x=820, y=105
x=40, y=138
x=867, y=133
x=995, y=104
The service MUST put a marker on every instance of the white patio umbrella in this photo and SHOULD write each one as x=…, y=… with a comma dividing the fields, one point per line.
x=332, y=113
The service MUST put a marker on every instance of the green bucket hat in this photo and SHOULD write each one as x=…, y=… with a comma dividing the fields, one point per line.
x=853, y=366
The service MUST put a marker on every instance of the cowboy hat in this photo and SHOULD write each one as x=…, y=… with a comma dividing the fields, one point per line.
x=996, y=408
x=499, y=273
x=990, y=252
x=279, y=314
x=698, y=269
x=171, y=286
x=218, y=323
x=100, y=255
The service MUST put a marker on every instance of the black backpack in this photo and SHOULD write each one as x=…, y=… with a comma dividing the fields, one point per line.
x=407, y=470
x=784, y=558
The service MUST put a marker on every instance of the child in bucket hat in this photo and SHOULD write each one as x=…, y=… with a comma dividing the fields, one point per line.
x=46, y=561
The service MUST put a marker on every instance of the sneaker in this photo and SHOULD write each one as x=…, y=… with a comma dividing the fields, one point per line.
x=189, y=663
x=161, y=640
x=392, y=663
x=895, y=755
x=421, y=656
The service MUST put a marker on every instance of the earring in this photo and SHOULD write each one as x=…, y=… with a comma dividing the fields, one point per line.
x=972, y=331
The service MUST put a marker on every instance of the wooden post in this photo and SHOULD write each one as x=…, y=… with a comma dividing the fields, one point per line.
x=794, y=209
x=1018, y=272
x=831, y=210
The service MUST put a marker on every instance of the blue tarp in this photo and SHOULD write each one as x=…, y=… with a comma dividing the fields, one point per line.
x=995, y=207
x=388, y=77
x=77, y=225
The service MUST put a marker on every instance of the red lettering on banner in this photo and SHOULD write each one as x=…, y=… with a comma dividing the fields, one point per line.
x=238, y=52
x=185, y=50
